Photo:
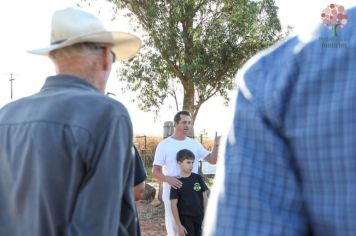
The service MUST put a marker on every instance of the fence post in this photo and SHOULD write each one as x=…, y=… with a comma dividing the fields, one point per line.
x=200, y=164
x=143, y=152
x=167, y=131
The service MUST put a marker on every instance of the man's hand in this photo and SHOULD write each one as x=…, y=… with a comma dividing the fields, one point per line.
x=217, y=139
x=173, y=181
x=213, y=156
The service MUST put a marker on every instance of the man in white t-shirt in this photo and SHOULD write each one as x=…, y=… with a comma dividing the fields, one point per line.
x=165, y=167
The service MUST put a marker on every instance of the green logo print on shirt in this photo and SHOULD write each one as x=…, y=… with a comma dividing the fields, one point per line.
x=197, y=187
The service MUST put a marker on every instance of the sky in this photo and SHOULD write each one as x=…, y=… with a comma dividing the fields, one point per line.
x=25, y=25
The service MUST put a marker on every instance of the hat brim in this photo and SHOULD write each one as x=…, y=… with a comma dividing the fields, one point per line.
x=124, y=45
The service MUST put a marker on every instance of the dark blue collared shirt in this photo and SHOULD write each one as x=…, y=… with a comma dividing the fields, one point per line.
x=66, y=165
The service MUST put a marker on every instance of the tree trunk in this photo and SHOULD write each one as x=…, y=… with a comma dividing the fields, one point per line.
x=188, y=103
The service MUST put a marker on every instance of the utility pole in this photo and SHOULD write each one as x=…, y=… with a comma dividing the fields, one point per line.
x=11, y=80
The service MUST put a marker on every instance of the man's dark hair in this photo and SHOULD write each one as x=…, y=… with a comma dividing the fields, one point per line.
x=177, y=116
x=185, y=154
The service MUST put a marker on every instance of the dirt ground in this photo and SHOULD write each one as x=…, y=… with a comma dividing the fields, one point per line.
x=151, y=217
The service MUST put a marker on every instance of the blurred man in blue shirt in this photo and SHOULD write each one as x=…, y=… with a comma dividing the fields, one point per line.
x=290, y=160
x=66, y=163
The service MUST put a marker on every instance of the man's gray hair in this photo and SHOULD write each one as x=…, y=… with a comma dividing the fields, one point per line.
x=78, y=48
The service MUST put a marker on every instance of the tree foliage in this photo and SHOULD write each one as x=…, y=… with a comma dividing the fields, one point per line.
x=196, y=44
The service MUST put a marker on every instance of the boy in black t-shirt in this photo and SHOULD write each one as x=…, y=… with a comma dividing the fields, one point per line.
x=188, y=202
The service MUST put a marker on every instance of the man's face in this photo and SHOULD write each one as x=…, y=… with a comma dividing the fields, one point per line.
x=184, y=124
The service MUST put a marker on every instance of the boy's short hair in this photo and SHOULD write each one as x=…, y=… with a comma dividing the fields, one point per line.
x=185, y=154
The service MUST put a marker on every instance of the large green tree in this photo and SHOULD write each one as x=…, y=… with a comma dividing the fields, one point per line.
x=197, y=45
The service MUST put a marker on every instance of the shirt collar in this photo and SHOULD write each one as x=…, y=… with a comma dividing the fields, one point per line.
x=66, y=81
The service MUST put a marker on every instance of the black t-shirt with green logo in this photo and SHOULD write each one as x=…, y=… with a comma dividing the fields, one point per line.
x=190, y=195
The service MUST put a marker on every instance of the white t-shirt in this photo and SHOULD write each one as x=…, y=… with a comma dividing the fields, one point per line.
x=166, y=154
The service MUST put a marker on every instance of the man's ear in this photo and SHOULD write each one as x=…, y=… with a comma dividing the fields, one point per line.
x=105, y=59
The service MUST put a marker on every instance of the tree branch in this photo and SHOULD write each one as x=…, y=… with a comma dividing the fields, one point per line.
x=136, y=7
x=200, y=4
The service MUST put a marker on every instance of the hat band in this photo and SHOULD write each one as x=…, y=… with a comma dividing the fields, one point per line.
x=58, y=42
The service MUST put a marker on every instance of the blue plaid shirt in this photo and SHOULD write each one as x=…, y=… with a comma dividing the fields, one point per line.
x=290, y=160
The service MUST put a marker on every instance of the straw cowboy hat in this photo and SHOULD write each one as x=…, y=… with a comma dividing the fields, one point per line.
x=71, y=26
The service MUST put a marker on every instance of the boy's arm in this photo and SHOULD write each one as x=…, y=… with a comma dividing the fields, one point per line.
x=180, y=228
x=205, y=199
x=205, y=190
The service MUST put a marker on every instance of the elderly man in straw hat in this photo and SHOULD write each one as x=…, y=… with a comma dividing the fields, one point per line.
x=66, y=152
